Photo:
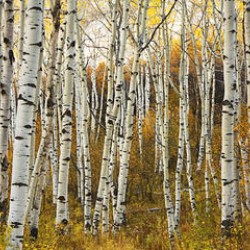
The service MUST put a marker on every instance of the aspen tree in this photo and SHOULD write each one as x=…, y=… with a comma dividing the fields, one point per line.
x=58, y=74
x=37, y=105
x=101, y=104
x=227, y=153
x=106, y=199
x=6, y=83
x=21, y=35
x=85, y=136
x=47, y=128
x=36, y=203
x=247, y=53
x=62, y=216
x=204, y=80
x=140, y=111
x=206, y=76
x=1, y=53
x=165, y=144
x=201, y=91
x=125, y=157
x=111, y=118
x=159, y=111
x=94, y=100
x=111, y=53
x=237, y=112
x=147, y=88
x=184, y=129
x=26, y=96
x=79, y=146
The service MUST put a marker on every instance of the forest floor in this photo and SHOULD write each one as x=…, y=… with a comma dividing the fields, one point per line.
x=146, y=229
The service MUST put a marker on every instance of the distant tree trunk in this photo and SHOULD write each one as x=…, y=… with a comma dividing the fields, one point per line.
x=94, y=100
x=227, y=153
x=147, y=89
x=26, y=96
x=101, y=104
x=139, y=104
x=85, y=137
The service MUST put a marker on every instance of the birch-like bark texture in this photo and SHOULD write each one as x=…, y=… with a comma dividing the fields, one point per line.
x=6, y=83
x=85, y=137
x=79, y=147
x=246, y=167
x=165, y=139
x=26, y=96
x=36, y=203
x=37, y=104
x=147, y=88
x=227, y=152
x=21, y=35
x=101, y=105
x=111, y=118
x=62, y=216
x=94, y=100
x=125, y=157
x=1, y=29
x=47, y=128
x=58, y=75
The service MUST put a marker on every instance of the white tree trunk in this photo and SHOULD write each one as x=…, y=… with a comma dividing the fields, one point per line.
x=27, y=90
x=227, y=153
x=111, y=118
x=128, y=136
x=21, y=36
x=85, y=138
x=246, y=167
x=6, y=83
x=62, y=216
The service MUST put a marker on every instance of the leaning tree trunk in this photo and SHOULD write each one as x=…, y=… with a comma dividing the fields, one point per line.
x=21, y=153
x=227, y=153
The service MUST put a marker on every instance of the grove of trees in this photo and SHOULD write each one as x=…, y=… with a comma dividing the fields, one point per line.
x=122, y=119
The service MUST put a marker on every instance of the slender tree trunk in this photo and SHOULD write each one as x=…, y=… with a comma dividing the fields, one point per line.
x=125, y=157
x=111, y=118
x=62, y=216
x=85, y=138
x=21, y=36
x=227, y=153
x=246, y=167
